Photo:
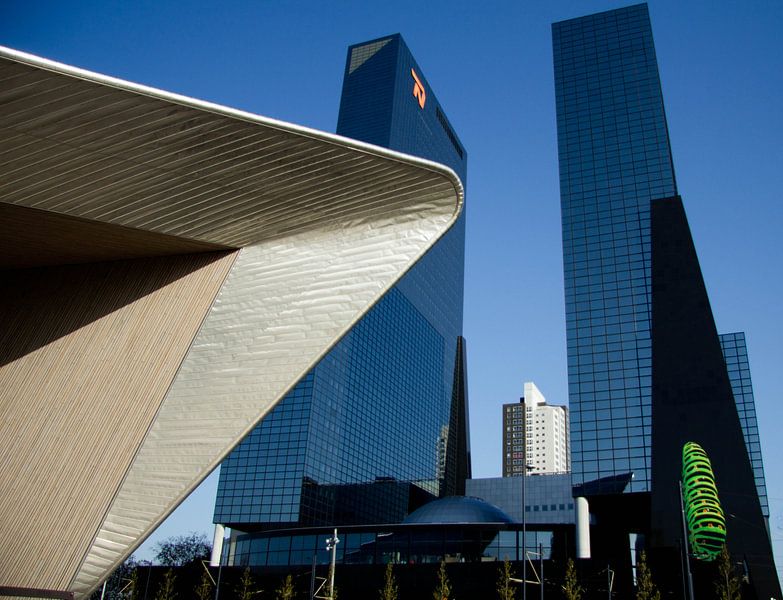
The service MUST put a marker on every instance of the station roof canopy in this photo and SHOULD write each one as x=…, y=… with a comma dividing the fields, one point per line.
x=299, y=233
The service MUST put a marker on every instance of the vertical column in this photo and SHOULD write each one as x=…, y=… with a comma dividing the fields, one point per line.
x=217, y=545
x=582, y=528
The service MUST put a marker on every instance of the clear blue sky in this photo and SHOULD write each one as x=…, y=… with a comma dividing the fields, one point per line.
x=490, y=65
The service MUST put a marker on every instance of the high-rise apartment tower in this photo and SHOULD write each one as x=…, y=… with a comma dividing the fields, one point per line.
x=380, y=424
x=535, y=436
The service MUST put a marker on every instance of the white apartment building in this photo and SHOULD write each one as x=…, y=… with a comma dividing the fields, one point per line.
x=536, y=430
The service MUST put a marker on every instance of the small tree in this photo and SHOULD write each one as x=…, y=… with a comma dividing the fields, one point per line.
x=120, y=585
x=132, y=588
x=571, y=588
x=182, y=550
x=204, y=589
x=286, y=589
x=166, y=589
x=443, y=589
x=645, y=588
x=505, y=587
x=245, y=589
x=390, y=589
x=727, y=585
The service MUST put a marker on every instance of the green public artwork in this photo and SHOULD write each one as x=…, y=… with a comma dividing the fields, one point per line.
x=703, y=512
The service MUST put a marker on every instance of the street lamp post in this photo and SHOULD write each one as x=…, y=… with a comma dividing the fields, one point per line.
x=331, y=544
x=524, y=518
x=524, y=528
x=685, y=546
x=525, y=472
x=541, y=568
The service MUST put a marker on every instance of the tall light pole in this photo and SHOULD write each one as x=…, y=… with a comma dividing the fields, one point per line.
x=524, y=519
x=524, y=506
x=524, y=502
x=541, y=568
x=331, y=544
x=524, y=525
x=686, y=546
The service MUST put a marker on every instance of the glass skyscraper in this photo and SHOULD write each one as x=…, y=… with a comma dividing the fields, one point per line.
x=614, y=159
x=735, y=352
x=379, y=426
x=647, y=370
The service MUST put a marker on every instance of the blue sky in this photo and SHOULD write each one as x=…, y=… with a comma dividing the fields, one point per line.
x=490, y=65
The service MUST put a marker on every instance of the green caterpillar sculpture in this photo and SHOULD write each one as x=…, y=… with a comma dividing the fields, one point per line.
x=703, y=512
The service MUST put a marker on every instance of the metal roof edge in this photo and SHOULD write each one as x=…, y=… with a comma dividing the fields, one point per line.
x=137, y=88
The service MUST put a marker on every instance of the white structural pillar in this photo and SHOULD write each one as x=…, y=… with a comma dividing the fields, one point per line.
x=217, y=545
x=582, y=528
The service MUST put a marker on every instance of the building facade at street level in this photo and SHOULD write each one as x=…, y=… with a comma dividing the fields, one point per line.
x=471, y=536
x=379, y=426
x=645, y=367
x=535, y=436
x=170, y=268
x=546, y=499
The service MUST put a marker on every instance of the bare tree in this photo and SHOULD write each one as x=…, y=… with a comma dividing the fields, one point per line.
x=727, y=585
x=166, y=589
x=131, y=588
x=286, y=589
x=645, y=588
x=204, y=589
x=443, y=589
x=245, y=589
x=505, y=587
x=120, y=585
x=571, y=588
x=182, y=550
x=390, y=590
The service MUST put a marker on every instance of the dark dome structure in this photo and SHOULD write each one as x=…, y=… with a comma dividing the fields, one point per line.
x=457, y=509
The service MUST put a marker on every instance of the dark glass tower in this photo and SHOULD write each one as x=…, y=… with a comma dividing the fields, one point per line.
x=735, y=353
x=380, y=424
x=614, y=159
x=647, y=369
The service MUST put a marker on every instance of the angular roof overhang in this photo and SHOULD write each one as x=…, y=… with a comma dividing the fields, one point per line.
x=108, y=151
x=95, y=169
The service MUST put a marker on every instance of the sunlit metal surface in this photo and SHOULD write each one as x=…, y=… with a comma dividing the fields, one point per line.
x=325, y=226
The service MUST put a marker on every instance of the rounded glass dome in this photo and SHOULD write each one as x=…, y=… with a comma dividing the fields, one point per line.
x=458, y=509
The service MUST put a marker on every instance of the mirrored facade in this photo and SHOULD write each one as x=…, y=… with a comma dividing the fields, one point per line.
x=546, y=499
x=614, y=159
x=379, y=426
x=647, y=369
x=398, y=545
x=735, y=352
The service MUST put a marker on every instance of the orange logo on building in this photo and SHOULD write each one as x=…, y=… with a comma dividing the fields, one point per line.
x=418, y=89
